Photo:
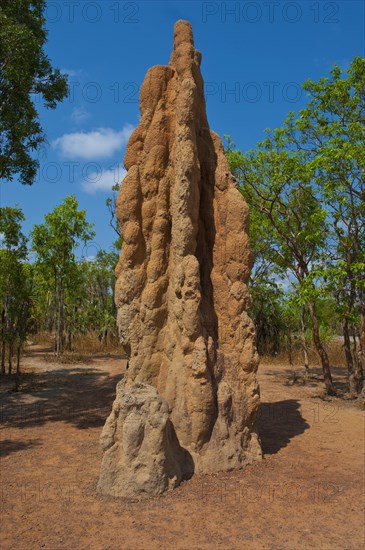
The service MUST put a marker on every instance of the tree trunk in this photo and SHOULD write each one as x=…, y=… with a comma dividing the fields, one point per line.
x=55, y=342
x=69, y=339
x=321, y=352
x=18, y=358
x=10, y=357
x=354, y=345
x=304, y=342
x=3, y=351
x=55, y=314
x=290, y=347
x=59, y=327
x=60, y=319
x=3, y=343
x=349, y=358
x=360, y=363
x=103, y=340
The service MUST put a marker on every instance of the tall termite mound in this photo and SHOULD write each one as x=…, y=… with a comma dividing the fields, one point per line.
x=190, y=396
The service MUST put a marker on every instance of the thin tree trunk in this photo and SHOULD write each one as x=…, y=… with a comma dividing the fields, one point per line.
x=362, y=331
x=354, y=345
x=59, y=327
x=69, y=339
x=290, y=347
x=60, y=319
x=3, y=343
x=348, y=355
x=18, y=359
x=3, y=351
x=103, y=340
x=355, y=352
x=10, y=357
x=304, y=342
x=360, y=363
x=55, y=321
x=321, y=352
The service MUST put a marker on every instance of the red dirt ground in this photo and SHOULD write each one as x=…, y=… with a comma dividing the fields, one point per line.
x=308, y=492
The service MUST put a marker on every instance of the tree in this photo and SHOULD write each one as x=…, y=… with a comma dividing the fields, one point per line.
x=15, y=286
x=25, y=70
x=89, y=304
x=54, y=242
x=276, y=182
x=332, y=131
x=275, y=314
x=268, y=318
x=100, y=311
x=265, y=291
x=307, y=179
x=111, y=204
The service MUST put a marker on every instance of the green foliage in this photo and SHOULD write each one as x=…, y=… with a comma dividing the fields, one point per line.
x=334, y=126
x=15, y=284
x=100, y=312
x=304, y=184
x=56, y=239
x=267, y=311
x=58, y=293
x=57, y=270
x=12, y=237
x=25, y=70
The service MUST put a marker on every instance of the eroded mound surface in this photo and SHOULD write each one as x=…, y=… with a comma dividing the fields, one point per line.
x=181, y=288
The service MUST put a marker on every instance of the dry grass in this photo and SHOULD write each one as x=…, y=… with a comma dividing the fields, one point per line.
x=334, y=350
x=83, y=346
x=86, y=345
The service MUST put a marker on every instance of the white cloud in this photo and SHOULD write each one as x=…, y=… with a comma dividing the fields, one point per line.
x=100, y=143
x=103, y=180
x=70, y=72
x=79, y=114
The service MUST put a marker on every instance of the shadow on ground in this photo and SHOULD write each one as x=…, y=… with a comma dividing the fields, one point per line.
x=279, y=423
x=8, y=446
x=81, y=396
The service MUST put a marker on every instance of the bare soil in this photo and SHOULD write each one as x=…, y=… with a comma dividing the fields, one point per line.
x=308, y=492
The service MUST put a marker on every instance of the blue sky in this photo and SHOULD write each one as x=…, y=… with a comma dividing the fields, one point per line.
x=255, y=56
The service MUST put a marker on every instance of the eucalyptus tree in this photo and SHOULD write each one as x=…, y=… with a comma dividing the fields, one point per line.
x=277, y=182
x=26, y=76
x=55, y=243
x=307, y=180
x=331, y=129
x=15, y=285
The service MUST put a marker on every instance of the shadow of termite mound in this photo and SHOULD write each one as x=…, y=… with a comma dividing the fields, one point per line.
x=279, y=423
